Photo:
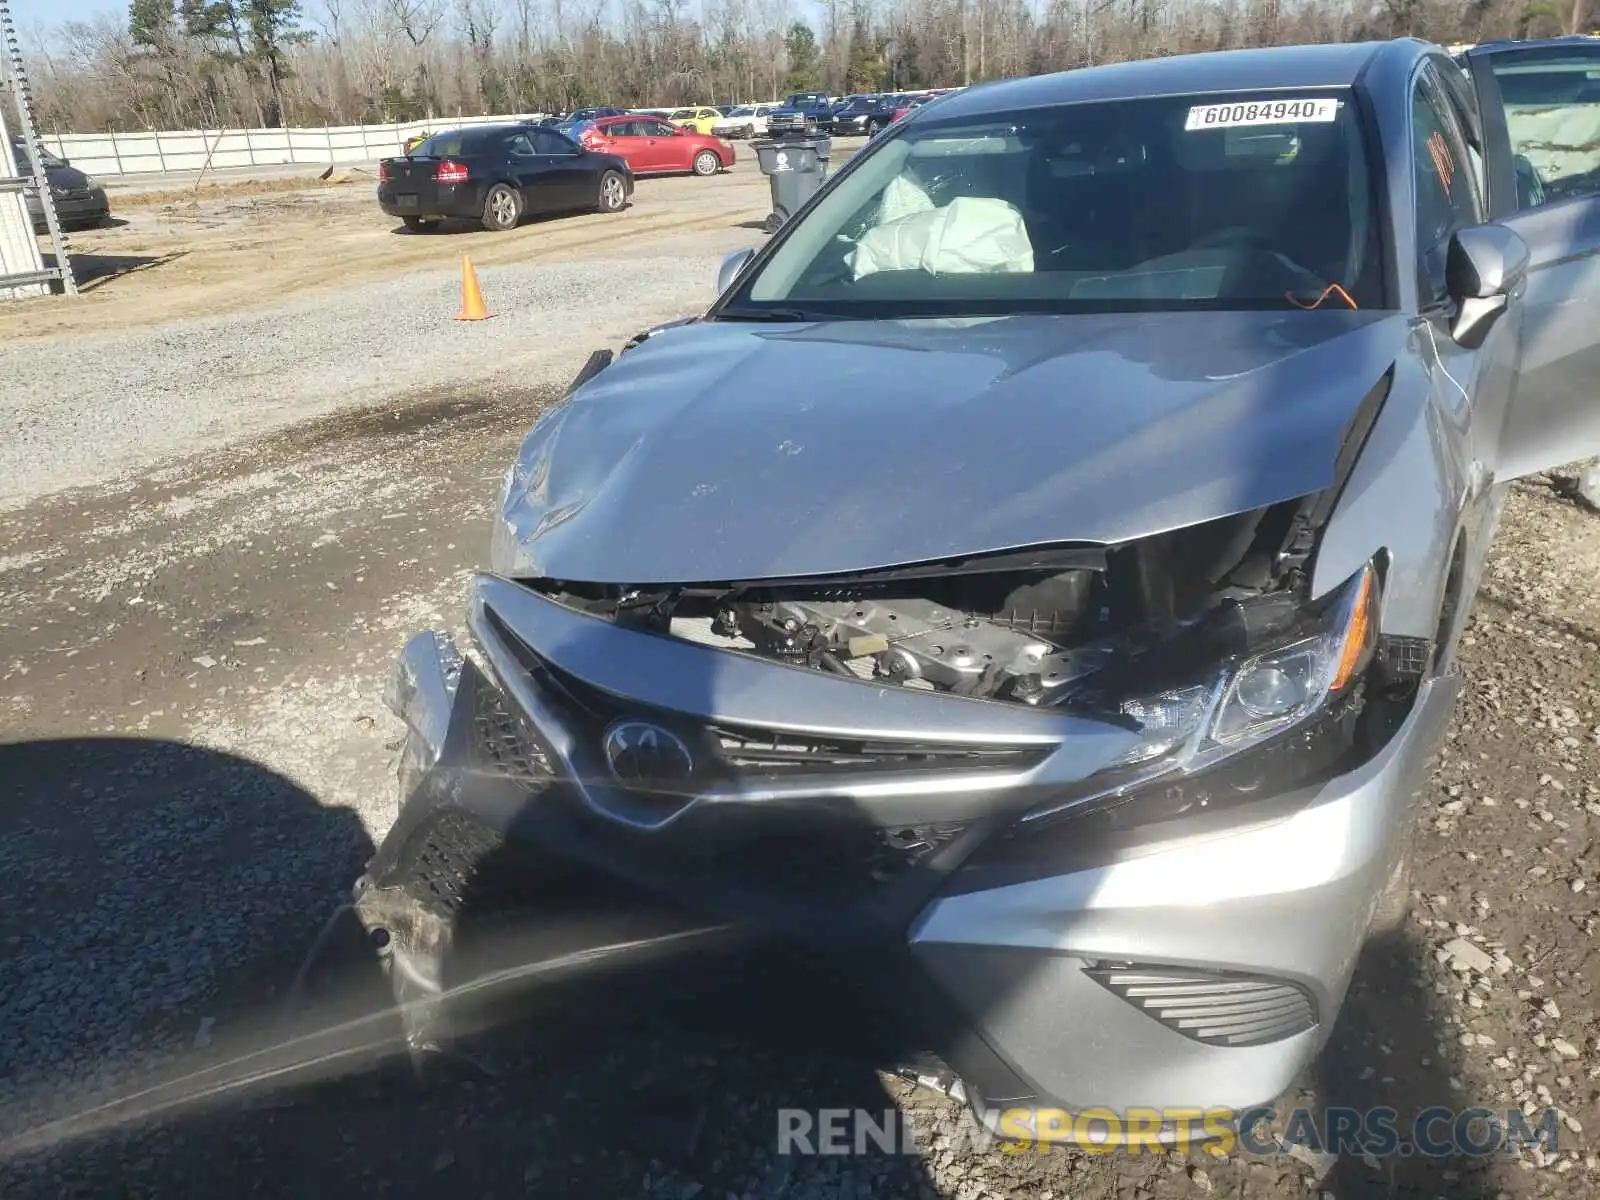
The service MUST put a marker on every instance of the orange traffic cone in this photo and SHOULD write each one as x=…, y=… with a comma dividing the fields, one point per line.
x=472, y=308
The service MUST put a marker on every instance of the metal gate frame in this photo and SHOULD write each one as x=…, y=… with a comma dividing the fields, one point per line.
x=22, y=269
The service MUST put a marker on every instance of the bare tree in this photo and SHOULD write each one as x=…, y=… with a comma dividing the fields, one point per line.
x=376, y=60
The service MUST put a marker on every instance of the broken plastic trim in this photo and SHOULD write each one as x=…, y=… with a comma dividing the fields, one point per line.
x=420, y=691
x=609, y=598
x=1218, y=717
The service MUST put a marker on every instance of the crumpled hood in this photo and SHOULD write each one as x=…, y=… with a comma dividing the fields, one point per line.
x=721, y=452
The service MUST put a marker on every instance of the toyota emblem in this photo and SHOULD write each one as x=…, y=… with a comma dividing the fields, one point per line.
x=640, y=753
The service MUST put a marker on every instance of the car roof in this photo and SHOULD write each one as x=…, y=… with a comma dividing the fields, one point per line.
x=1335, y=65
x=472, y=131
x=1502, y=45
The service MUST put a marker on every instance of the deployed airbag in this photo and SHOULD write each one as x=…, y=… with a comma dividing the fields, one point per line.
x=972, y=235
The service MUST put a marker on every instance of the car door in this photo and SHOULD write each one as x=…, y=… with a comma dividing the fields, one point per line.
x=1471, y=385
x=668, y=146
x=620, y=137
x=533, y=172
x=1543, y=103
x=565, y=176
x=1448, y=157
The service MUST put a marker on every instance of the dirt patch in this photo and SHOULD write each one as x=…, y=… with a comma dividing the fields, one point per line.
x=232, y=189
x=252, y=246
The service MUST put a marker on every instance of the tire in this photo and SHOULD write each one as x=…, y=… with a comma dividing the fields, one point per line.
x=811, y=129
x=707, y=163
x=613, y=193
x=874, y=128
x=420, y=224
x=502, y=208
x=749, y=132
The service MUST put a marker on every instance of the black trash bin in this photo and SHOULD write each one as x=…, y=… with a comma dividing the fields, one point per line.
x=795, y=167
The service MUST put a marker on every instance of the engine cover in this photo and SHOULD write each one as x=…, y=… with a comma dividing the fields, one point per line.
x=909, y=640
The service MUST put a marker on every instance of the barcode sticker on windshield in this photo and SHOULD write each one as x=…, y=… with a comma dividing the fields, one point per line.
x=1260, y=112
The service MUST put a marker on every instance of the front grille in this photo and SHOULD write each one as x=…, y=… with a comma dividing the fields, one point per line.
x=1214, y=1008
x=744, y=752
x=504, y=745
x=766, y=752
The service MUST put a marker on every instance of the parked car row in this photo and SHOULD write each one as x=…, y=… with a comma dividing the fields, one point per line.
x=862, y=114
x=589, y=158
x=498, y=174
x=858, y=113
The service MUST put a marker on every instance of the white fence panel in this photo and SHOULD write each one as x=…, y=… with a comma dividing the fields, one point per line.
x=112, y=154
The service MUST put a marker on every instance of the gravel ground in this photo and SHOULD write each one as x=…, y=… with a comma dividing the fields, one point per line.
x=197, y=762
x=86, y=408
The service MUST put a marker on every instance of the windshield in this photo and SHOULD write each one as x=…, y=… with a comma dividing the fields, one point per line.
x=20, y=151
x=743, y=112
x=441, y=145
x=1232, y=202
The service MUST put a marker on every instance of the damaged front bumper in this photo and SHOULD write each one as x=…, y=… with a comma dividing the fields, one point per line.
x=1195, y=962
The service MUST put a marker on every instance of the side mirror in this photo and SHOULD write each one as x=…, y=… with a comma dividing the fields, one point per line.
x=731, y=266
x=1485, y=267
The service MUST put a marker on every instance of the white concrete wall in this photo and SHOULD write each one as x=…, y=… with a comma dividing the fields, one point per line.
x=112, y=154
x=19, y=249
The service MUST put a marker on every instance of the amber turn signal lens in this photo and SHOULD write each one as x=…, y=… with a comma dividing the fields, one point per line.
x=1360, y=629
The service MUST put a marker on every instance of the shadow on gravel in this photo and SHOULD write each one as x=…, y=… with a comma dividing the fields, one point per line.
x=94, y=271
x=1392, y=1048
x=137, y=871
x=134, y=874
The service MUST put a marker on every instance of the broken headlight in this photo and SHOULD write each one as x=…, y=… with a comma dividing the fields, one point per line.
x=1269, y=717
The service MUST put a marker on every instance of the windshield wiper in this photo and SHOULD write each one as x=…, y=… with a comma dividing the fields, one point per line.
x=762, y=314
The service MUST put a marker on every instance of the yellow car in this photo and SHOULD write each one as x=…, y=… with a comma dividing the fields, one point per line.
x=698, y=119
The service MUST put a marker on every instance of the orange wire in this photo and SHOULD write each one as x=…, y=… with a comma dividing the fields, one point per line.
x=1317, y=303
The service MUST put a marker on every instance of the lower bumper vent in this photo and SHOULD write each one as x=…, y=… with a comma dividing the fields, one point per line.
x=1217, y=1009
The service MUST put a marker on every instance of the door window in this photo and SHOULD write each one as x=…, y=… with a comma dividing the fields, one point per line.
x=547, y=141
x=1552, y=107
x=1446, y=198
x=521, y=145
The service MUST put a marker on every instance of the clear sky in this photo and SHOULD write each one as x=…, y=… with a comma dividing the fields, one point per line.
x=31, y=14
x=51, y=12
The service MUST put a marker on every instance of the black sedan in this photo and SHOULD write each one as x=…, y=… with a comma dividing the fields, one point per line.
x=497, y=174
x=864, y=115
x=80, y=201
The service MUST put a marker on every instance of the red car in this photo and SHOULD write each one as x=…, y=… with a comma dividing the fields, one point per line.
x=653, y=146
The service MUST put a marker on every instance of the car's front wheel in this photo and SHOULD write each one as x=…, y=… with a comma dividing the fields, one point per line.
x=613, y=193
x=706, y=163
x=502, y=208
x=874, y=128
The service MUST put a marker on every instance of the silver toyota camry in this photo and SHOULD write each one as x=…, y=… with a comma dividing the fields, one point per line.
x=1042, y=566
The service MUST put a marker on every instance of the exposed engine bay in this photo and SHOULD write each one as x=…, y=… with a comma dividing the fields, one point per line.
x=1026, y=626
